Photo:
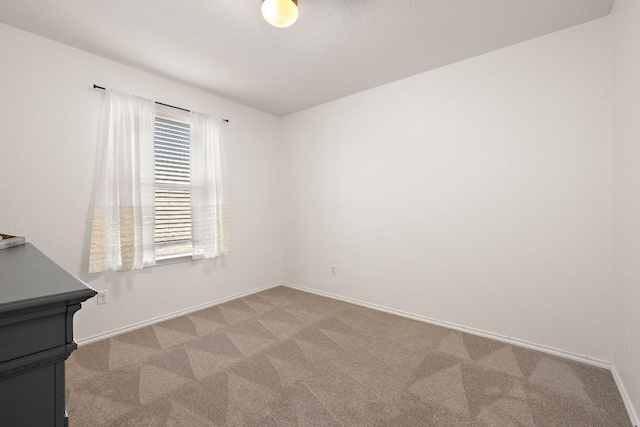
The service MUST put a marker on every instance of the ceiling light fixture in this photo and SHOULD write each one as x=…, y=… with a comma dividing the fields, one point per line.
x=280, y=13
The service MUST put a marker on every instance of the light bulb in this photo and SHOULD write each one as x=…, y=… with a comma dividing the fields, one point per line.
x=280, y=13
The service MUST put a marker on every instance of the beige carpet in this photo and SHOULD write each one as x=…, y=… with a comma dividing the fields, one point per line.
x=289, y=358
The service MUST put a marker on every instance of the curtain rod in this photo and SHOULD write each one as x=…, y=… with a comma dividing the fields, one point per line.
x=95, y=86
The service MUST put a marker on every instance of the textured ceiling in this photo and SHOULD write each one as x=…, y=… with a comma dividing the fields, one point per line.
x=336, y=48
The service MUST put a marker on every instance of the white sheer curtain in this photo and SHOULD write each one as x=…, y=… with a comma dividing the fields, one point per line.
x=210, y=212
x=122, y=236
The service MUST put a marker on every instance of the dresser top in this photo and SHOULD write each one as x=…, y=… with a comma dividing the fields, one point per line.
x=29, y=279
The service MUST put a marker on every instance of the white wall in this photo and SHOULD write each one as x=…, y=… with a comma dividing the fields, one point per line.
x=625, y=22
x=476, y=194
x=48, y=123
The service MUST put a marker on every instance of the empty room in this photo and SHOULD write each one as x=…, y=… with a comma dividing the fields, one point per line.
x=320, y=213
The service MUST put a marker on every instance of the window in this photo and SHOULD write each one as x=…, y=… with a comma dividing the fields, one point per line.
x=162, y=189
x=172, y=189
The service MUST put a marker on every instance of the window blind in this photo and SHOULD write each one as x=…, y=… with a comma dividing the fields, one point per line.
x=172, y=189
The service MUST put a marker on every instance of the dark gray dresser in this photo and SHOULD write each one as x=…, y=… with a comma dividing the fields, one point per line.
x=37, y=302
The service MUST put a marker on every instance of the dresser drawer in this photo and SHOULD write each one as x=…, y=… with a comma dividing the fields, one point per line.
x=32, y=332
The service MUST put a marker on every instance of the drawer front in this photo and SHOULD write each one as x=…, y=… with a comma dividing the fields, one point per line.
x=31, y=333
x=28, y=400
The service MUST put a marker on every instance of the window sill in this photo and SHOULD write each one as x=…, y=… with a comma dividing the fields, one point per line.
x=173, y=259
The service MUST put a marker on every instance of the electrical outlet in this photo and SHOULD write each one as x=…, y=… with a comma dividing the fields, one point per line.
x=628, y=343
x=102, y=297
x=333, y=270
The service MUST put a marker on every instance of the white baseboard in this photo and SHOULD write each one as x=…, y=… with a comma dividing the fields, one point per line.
x=633, y=415
x=179, y=313
x=521, y=343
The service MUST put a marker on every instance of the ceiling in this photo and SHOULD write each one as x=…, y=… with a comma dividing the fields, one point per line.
x=336, y=48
